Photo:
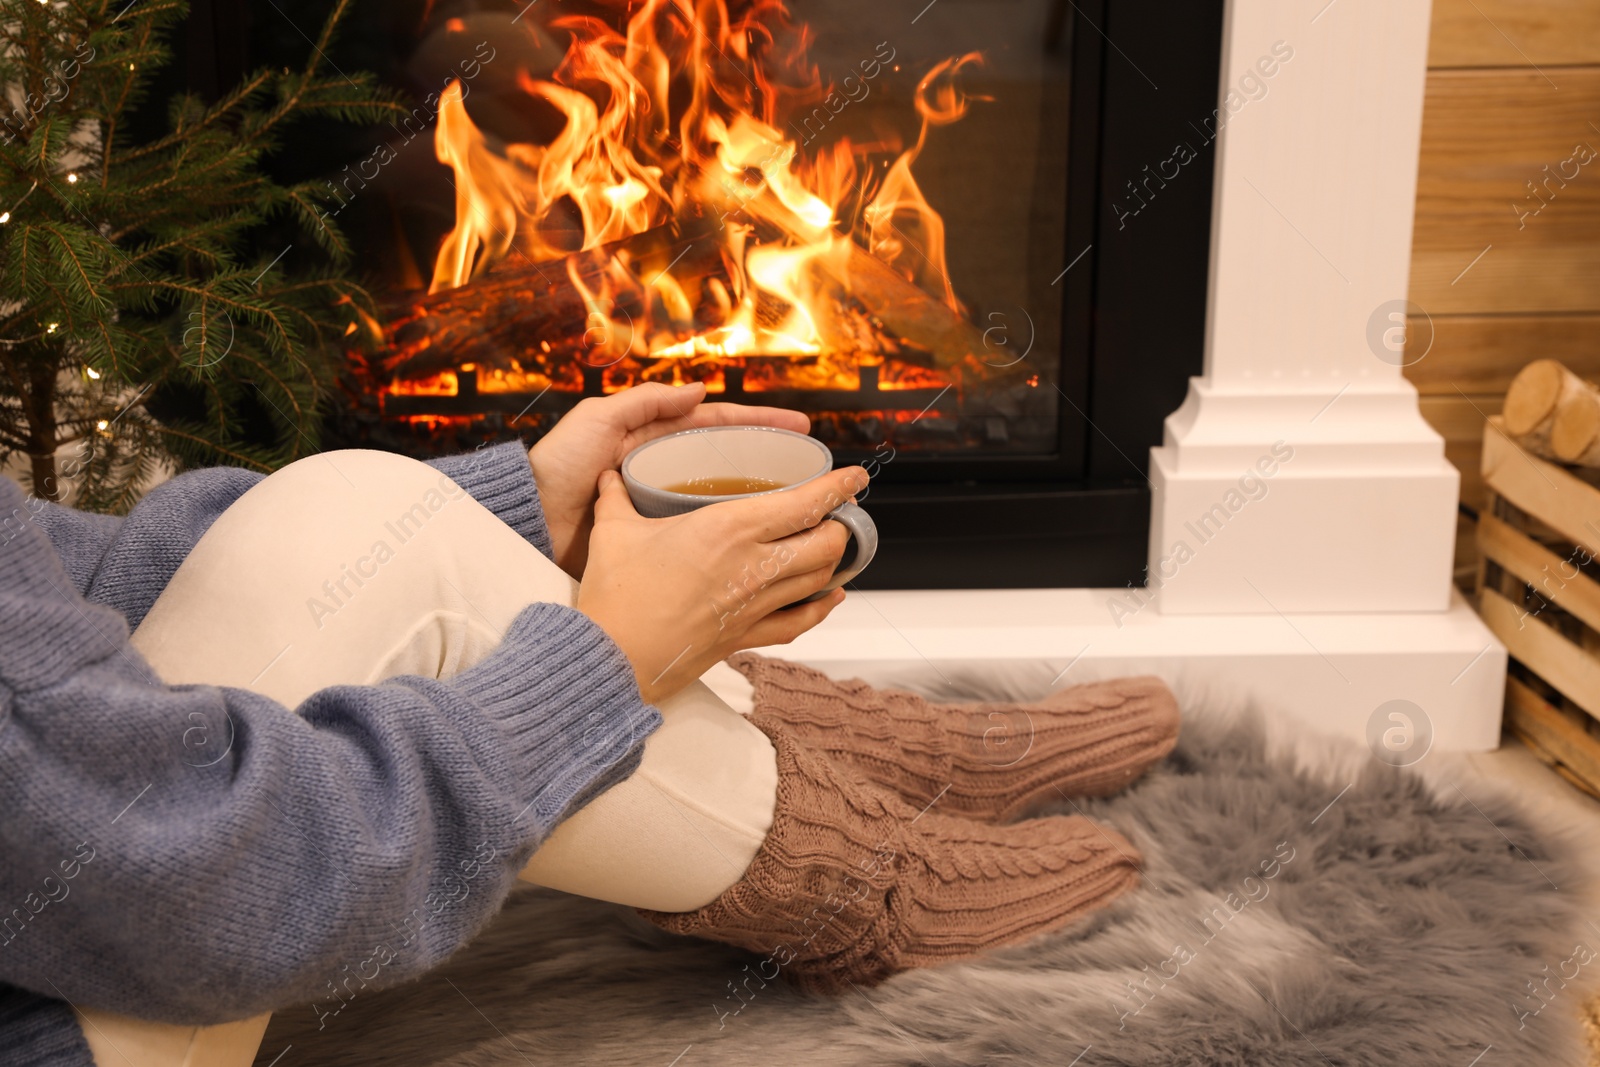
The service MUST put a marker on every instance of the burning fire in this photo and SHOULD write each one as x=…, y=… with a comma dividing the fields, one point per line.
x=693, y=228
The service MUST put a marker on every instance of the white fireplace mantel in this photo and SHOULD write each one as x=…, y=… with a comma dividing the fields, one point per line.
x=1320, y=583
x=1314, y=197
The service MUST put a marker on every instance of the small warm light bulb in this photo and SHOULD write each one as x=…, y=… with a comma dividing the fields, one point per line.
x=91, y=372
x=52, y=327
x=130, y=66
x=101, y=425
x=5, y=217
x=72, y=179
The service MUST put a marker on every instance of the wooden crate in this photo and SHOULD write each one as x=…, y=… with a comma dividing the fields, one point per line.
x=1539, y=591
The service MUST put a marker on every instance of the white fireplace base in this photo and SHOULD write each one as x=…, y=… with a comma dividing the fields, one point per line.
x=1329, y=671
x=1328, y=594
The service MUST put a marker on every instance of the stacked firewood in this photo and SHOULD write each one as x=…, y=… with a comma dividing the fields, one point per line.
x=1553, y=413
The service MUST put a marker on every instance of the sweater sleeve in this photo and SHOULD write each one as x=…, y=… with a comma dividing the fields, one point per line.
x=126, y=562
x=40, y=1031
x=501, y=479
x=196, y=854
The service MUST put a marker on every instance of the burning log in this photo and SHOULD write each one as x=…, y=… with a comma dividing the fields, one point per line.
x=906, y=310
x=535, y=312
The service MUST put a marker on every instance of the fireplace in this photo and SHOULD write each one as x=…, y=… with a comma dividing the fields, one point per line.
x=1273, y=254
x=956, y=239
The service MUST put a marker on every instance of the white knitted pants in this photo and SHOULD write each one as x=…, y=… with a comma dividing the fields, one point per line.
x=238, y=612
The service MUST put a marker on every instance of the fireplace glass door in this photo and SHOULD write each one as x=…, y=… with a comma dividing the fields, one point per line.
x=832, y=207
x=901, y=218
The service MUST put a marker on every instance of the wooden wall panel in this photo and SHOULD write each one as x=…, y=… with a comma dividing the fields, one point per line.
x=1460, y=421
x=1511, y=277
x=1479, y=354
x=1513, y=87
x=1514, y=33
x=1486, y=135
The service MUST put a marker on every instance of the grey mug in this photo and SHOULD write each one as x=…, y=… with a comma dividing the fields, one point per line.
x=759, y=452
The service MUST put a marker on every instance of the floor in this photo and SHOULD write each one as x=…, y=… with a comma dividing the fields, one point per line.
x=1556, y=803
x=1546, y=794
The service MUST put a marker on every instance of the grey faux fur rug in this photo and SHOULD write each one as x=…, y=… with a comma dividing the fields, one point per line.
x=1400, y=925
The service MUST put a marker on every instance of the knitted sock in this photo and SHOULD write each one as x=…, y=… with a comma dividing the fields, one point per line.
x=852, y=884
x=982, y=760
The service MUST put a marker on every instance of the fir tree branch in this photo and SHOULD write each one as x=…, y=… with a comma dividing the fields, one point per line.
x=298, y=421
x=316, y=222
x=214, y=115
x=24, y=310
x=149, y=10
x=109, y=135
x=65, y=245
x=211, y=291
x=325, y=38
x=107, y=344
x=244, y=459
x=242, y=154
x=187, y=239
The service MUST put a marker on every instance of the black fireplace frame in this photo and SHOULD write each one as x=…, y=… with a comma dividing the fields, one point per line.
x=1145, y=76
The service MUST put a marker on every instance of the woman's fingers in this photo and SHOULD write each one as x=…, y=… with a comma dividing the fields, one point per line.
x=820, y=546
x=652, y=409
x=778, y=515
x=781, y=627
x=655, y=410
x=719, y=414
x=791, y=588
x=613, y=501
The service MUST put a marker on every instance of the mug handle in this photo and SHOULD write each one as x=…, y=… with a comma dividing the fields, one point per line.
x=863, y=545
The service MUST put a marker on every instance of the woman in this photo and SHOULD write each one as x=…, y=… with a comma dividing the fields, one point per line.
x=180, y=846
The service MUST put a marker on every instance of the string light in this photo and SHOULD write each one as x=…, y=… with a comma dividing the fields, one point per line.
x=5, y=217
x=52, y=327
x=72, y=179
x=101, y=425
x=91, y=372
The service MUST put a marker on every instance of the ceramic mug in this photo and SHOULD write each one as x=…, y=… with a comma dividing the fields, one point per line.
x=763, y=453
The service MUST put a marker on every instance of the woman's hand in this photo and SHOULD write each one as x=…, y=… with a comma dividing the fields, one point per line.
x=680, y=594
x=596, y=435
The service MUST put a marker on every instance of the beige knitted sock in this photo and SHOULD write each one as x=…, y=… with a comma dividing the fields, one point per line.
x=981, y=760
x=852, y=884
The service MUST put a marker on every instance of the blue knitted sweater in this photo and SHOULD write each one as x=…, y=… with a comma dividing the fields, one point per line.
x=343, y=846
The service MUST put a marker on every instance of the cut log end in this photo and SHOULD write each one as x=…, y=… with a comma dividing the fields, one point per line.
x=1575, y=433
x=1533, y=395
x=1553, y=413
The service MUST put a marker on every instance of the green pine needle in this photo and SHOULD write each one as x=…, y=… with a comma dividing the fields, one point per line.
x=122, y=275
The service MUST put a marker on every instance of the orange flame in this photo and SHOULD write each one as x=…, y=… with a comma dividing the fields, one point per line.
x=940, y=102
x=678, y=119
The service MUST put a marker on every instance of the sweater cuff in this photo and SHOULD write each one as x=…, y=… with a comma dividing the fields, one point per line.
x=40, y=1031
x=567, y=701
x=501, y=479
